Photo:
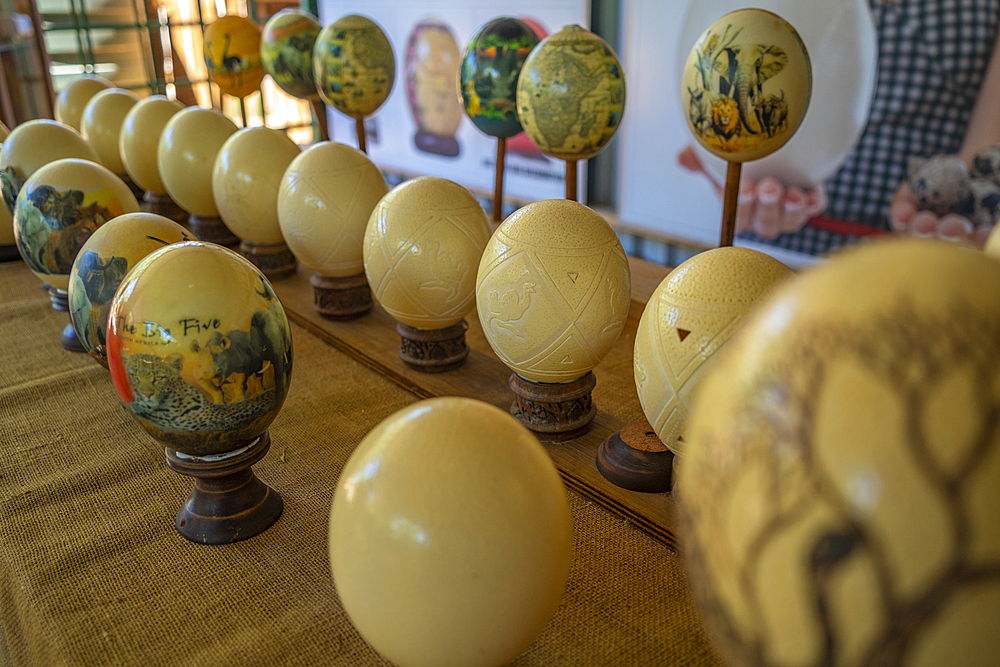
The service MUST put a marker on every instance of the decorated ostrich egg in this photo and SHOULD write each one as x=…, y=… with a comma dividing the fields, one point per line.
x=245, y=182
x=326, y=197
x=74, y=97
x=490, y=66
x=422, y=245
x=450, y=536
x=286, y=50
x=571, y=94
x=32, y=145
x=432, y=66
x=101, y=266
x=746, y=85
x=353, y=65
x=232, y=55
x=553, y=290
x=199, y=348
x=101, y=124
x=693, y=312
x=840, y=491
x=140, y=137
x=57, y=210
x=186, y=156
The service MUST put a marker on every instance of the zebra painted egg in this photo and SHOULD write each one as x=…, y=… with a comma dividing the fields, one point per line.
x=102, y=122
x=186, y=154
x=693, y=312
x=840, y=492
x=58, y=209
x=140, y=137
x=73, y=98
x=422, y=245
x=286, y=49
x=553, y=290
x=354, y=66
x=199, y=348
x=232, y=55
x=101, y=266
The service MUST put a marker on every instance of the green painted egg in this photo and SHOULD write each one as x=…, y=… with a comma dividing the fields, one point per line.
x=354, y=66
x=286, y=49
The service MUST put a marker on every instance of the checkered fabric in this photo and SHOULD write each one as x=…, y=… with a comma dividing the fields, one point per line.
x=933, y=56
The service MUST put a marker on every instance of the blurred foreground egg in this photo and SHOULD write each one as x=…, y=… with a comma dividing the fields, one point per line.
x=140, y=136
x=422, y=245
x=4, y=131
x=74, y=97
x=326, y=197
x=32, y=145
x=286, y=50
x=101, y=124
x=57, y=210
x=450, y=536
x=432, y=67
x=101, y=266
x=693, y=312
x=840, y=491
x=553, y=290
x=186, y=156
x=199, y=348
x=232, y=54
x=354, y=66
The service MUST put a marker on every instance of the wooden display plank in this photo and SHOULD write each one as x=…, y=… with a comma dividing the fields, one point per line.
x=372, y=340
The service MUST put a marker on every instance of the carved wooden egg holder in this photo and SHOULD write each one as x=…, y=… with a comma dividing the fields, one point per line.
x=213, y=230
x=433, y=350
x=341, y=298
x=68, y=339
x=554, y=411
x=274, y=260
x=636, y=459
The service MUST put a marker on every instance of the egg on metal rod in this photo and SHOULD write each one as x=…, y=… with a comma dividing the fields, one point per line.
x=286, y=50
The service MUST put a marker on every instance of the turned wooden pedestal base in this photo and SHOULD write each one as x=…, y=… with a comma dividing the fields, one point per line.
x=274, y=260
x=136, y=190
x=228, y=503
x=68, y=339
x=636, y=459
x=554, y=411
x=213, y=230
x=433, y=350
x=165, y=206
x=343, y=298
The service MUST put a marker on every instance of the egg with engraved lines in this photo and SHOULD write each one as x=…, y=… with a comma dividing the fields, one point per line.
x=553, y=290
x=326, y=197
x=140, y=137
x=101, y=124
x=839, y=495
x=199, y=348
x=422, y=245
x=450, y=536
x=73, y=98
x=693, y=312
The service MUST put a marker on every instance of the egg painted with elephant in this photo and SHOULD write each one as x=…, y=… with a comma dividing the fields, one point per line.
x=199, y=348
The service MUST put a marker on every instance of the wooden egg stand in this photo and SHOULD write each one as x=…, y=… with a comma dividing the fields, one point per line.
x=635, y=458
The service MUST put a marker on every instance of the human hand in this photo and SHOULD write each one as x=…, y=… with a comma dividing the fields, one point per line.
x=766, y=207
x=906, y=218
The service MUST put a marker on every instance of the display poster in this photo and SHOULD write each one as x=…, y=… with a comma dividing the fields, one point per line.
x=422, y=127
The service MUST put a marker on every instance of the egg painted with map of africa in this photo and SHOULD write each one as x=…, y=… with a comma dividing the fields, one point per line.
x=354, y=66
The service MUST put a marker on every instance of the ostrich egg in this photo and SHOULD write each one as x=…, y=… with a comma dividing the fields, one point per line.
x=101, y=266
x=490, y=66
x=432, y=65
x=353, y=65
x=693, y=312
x=101, y=124
x=6, y=221
x=571, y=94
x=186, y=156
x=450, y=536
x=232, y=54
x=4, y=131
x=553, y=290
x=245, y=181
x=840, y=492
x=422, y=245
x=286, y=49
x=74, y=97
x=57, y=210
x=139, y=138
x=34, y=144
x=199, y=348
x=326, y=197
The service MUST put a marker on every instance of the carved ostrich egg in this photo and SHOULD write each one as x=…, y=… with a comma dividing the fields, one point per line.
x=693, y=312
x=245, y=183
x=186, y=155
x=840, y=493
x=74, y=97
x=101, y=125
x=553, y=290
x=140, y=137
x=326, y=197
x=450, y=536
x=422, y=245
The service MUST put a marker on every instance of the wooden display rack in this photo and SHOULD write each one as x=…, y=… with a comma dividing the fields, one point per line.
x=373, y=341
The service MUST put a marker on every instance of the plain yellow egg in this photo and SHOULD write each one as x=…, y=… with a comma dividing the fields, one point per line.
x=140, y=137
x=73, y=98
x=101, y=124
x=186, y=154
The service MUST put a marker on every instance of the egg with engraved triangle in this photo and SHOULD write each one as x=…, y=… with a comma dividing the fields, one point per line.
x=553, y=290
x=693, y=312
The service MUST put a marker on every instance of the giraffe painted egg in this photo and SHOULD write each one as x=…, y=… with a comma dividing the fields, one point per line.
x=73, y=98
x=422, y=245
x=232, y=55
x=692, y=313
x=101, y=266
x=553, y=290
x=140, y=137
x=840, y=492
x=286, y=49
x=326, y=197
x=199, y=348
x=58, y=209
x=101, y=125
x=354, y=66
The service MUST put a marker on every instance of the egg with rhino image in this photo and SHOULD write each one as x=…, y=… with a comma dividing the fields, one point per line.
x=199, y=348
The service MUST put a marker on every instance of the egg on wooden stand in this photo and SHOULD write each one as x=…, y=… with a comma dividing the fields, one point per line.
x=73, y=98
x=137, y=144
x=101, y=125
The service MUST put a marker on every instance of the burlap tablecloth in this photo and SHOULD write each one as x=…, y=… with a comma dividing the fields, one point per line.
x=93, y=573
